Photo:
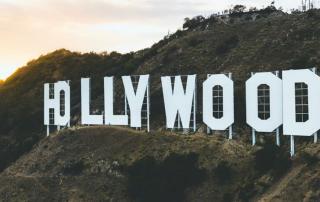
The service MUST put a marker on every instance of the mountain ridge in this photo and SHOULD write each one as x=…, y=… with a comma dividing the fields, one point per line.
x=211, y=47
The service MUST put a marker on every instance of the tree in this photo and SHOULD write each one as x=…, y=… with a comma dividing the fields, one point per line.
x=193, y=23
x=238, y=9
x=269, y=9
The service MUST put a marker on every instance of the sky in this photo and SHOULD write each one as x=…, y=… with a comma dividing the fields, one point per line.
x=34, y=27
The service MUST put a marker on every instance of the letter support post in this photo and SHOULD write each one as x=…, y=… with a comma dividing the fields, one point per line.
x=194, y=107
x=253, y=137
x=230, y=127
x=148, y=106
x=315, y=135
x=208, y=128
x=253, y=130
x=48, y=130
x=278, y=129
x=292, y=145
x=278, y=136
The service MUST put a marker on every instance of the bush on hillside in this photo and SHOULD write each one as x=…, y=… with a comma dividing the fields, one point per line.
x=223, y=172
x=271, y=157
x=193, y=23
x=228, y=44
x=238, y=9
x=151, y=180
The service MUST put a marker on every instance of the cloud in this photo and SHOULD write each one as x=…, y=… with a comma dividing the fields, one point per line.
x=34, y=27
x=99, y=11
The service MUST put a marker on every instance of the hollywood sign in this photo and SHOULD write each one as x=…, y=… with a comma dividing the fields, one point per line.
x=271, y=102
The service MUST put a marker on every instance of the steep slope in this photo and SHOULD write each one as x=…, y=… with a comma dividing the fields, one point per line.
x=302, y=182
x=118, y=164
x=269, y=43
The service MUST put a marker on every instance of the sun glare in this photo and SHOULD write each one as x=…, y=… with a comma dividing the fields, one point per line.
x=5, y=72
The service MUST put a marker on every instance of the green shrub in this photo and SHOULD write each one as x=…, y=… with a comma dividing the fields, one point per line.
x=272, y=158
x=223, y=172
x=227, y=45
x=151, y=180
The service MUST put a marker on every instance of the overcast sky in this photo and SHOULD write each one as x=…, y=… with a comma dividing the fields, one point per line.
x=29, y=28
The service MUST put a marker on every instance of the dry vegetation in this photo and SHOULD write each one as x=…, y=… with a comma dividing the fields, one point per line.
x=104, y=164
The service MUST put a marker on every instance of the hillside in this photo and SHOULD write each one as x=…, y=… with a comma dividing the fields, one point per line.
x=268, y=43
x=239, y=44
x=116, y=164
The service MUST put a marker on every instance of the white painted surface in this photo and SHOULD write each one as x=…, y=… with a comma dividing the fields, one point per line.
x=55, y=103
x=110, y=117
x=228, y=102
x=86, y=117
x=178, y=100
x=135, y=98
x=275, y=85
x=290, y=126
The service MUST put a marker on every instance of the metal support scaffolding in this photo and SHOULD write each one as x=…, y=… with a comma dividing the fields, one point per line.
x=230, y=127
x=315, y=135
x=148, y=106
x=253, y=133
x=278, y=129
x=195, y=108
x=69, y=122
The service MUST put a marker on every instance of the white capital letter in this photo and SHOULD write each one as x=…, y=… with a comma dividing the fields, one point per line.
x=87, y=118
x=301, y=99
x=227, y=104
x=61, y=115
x=271, y=89
x=178, y=100
x=135, y=100
x=110, y=118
